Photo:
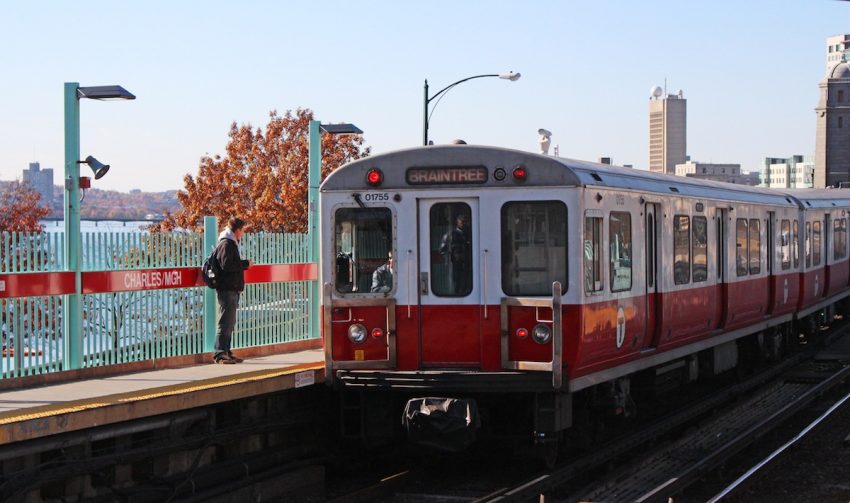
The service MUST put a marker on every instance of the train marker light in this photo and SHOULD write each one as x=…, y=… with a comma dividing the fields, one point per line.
x=541, y=333
x=520, y=174
x=377, y=333
x=521, y=333
x=374, y=177
x=357, y=333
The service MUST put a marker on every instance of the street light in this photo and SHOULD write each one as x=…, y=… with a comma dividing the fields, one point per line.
x=72, y=321
x=513, y=77
x=314, y=175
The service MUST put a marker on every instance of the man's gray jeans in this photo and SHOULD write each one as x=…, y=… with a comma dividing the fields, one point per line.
x=228, y=303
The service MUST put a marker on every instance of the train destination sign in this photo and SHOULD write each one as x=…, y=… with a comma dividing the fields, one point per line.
x=448, y=175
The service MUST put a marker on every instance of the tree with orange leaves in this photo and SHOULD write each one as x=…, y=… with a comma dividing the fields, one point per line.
x=21, y=209
x=263, y=178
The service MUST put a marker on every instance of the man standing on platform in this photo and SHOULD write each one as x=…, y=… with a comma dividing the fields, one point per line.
x=230, y=286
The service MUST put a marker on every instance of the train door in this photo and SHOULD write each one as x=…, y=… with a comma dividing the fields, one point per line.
x=449, y=294
x=722, y=217
x=826, y=254
x=653, y=303
x=771, y=257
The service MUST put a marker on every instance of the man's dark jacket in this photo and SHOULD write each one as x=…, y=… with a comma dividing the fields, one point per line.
x=232, y=266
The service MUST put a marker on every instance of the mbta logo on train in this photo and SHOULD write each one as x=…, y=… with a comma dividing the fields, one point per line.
x=472, y=290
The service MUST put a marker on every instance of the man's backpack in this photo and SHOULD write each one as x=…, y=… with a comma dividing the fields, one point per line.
x=211, y=270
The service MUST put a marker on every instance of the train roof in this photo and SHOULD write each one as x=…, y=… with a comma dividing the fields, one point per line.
x=557, y=171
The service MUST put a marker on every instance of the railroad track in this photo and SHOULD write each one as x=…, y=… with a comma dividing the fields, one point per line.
x=657, y=475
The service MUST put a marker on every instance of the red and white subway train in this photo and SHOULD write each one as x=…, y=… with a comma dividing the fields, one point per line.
x=543, y=290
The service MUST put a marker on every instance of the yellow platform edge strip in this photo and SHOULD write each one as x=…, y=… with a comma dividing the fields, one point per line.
x=21, y=415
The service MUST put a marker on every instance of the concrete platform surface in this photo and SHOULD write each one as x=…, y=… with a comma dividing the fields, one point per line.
x=45, y=410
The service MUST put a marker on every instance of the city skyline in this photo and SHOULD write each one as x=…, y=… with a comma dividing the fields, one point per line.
x=586, y=74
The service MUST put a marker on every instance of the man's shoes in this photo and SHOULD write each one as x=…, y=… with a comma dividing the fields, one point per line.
x=225, y=359
x=234, y=357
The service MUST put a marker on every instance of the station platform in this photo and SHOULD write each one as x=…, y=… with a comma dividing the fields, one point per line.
x=39, y=411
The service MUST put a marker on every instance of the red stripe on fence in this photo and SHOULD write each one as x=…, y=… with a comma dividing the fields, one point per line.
x=60, y=283
x=35, y=284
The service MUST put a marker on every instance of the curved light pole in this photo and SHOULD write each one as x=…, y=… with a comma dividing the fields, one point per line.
x=513, y=77
x=72, y=356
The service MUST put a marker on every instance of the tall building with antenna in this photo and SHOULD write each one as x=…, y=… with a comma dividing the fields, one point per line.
x=667, y=131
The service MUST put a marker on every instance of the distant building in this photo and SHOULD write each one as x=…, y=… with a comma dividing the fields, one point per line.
x=667, y=131
x=41, y=180
x=729, y=173
x=837, y=50
x=832, y=138
x=795, y=172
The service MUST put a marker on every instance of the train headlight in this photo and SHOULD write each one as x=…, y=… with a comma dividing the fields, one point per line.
x=541, y=333
x=357, y=333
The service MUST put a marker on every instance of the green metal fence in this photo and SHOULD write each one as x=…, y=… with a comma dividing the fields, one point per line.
x=124, y=327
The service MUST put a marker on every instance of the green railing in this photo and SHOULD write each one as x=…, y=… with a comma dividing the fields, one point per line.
x=129, y=326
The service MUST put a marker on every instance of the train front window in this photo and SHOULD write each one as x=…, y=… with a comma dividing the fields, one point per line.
x=363, y=249
x=534, y=247
x=451, y=249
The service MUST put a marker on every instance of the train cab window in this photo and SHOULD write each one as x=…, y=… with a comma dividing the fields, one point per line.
x=741, y=257
x=700, y=247
x=816, y=246
x=592, y=254
x=784, y=244
x=755, y=246
x=839, y=238
x=808, y=244
x=534, y=247
x=451, y=249
x=363, y=247
x=620, y=251
x=795, y=244
x=681, y=249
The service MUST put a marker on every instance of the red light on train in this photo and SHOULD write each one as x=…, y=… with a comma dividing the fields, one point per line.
x=377, y=333
x=521, y=333
x=374, y=177
x=520, y=174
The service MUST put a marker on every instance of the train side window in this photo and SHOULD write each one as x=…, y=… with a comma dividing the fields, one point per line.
x=808, y=244
x=755, y=246
x=741, y=258
x=784, y=244
x=451, y=249
x=816, y=247
x=839, y=238
x=620, y=251
x=592, y=254
x=534, y=247
x=681, y=249
x=700, y=238
x=795, y=244
x=363, y=240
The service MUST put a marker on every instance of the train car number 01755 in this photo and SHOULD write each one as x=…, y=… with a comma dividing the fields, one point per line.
x=372, y=197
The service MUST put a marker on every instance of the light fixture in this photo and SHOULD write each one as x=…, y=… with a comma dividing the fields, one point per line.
x=98, y=167
x=343, y=128
x=104, y=93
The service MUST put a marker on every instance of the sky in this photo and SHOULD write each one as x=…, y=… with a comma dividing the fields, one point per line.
x=749, y=70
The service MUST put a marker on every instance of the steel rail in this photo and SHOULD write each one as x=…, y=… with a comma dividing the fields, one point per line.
x=740, y=480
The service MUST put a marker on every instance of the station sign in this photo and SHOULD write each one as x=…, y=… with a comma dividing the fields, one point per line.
x=446, y=175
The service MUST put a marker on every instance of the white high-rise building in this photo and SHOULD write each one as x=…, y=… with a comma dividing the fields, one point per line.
x=41, y=180
x=667, y=131
x=837, y=50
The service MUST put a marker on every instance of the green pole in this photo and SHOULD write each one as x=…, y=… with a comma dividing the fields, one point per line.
x=72, y=321
x=210, y=300
x=314, y=172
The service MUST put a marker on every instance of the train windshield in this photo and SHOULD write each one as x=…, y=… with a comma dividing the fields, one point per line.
x=534, y=247
x=364, y=253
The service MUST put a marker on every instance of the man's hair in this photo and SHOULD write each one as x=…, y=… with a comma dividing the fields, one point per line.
x=235, y=223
